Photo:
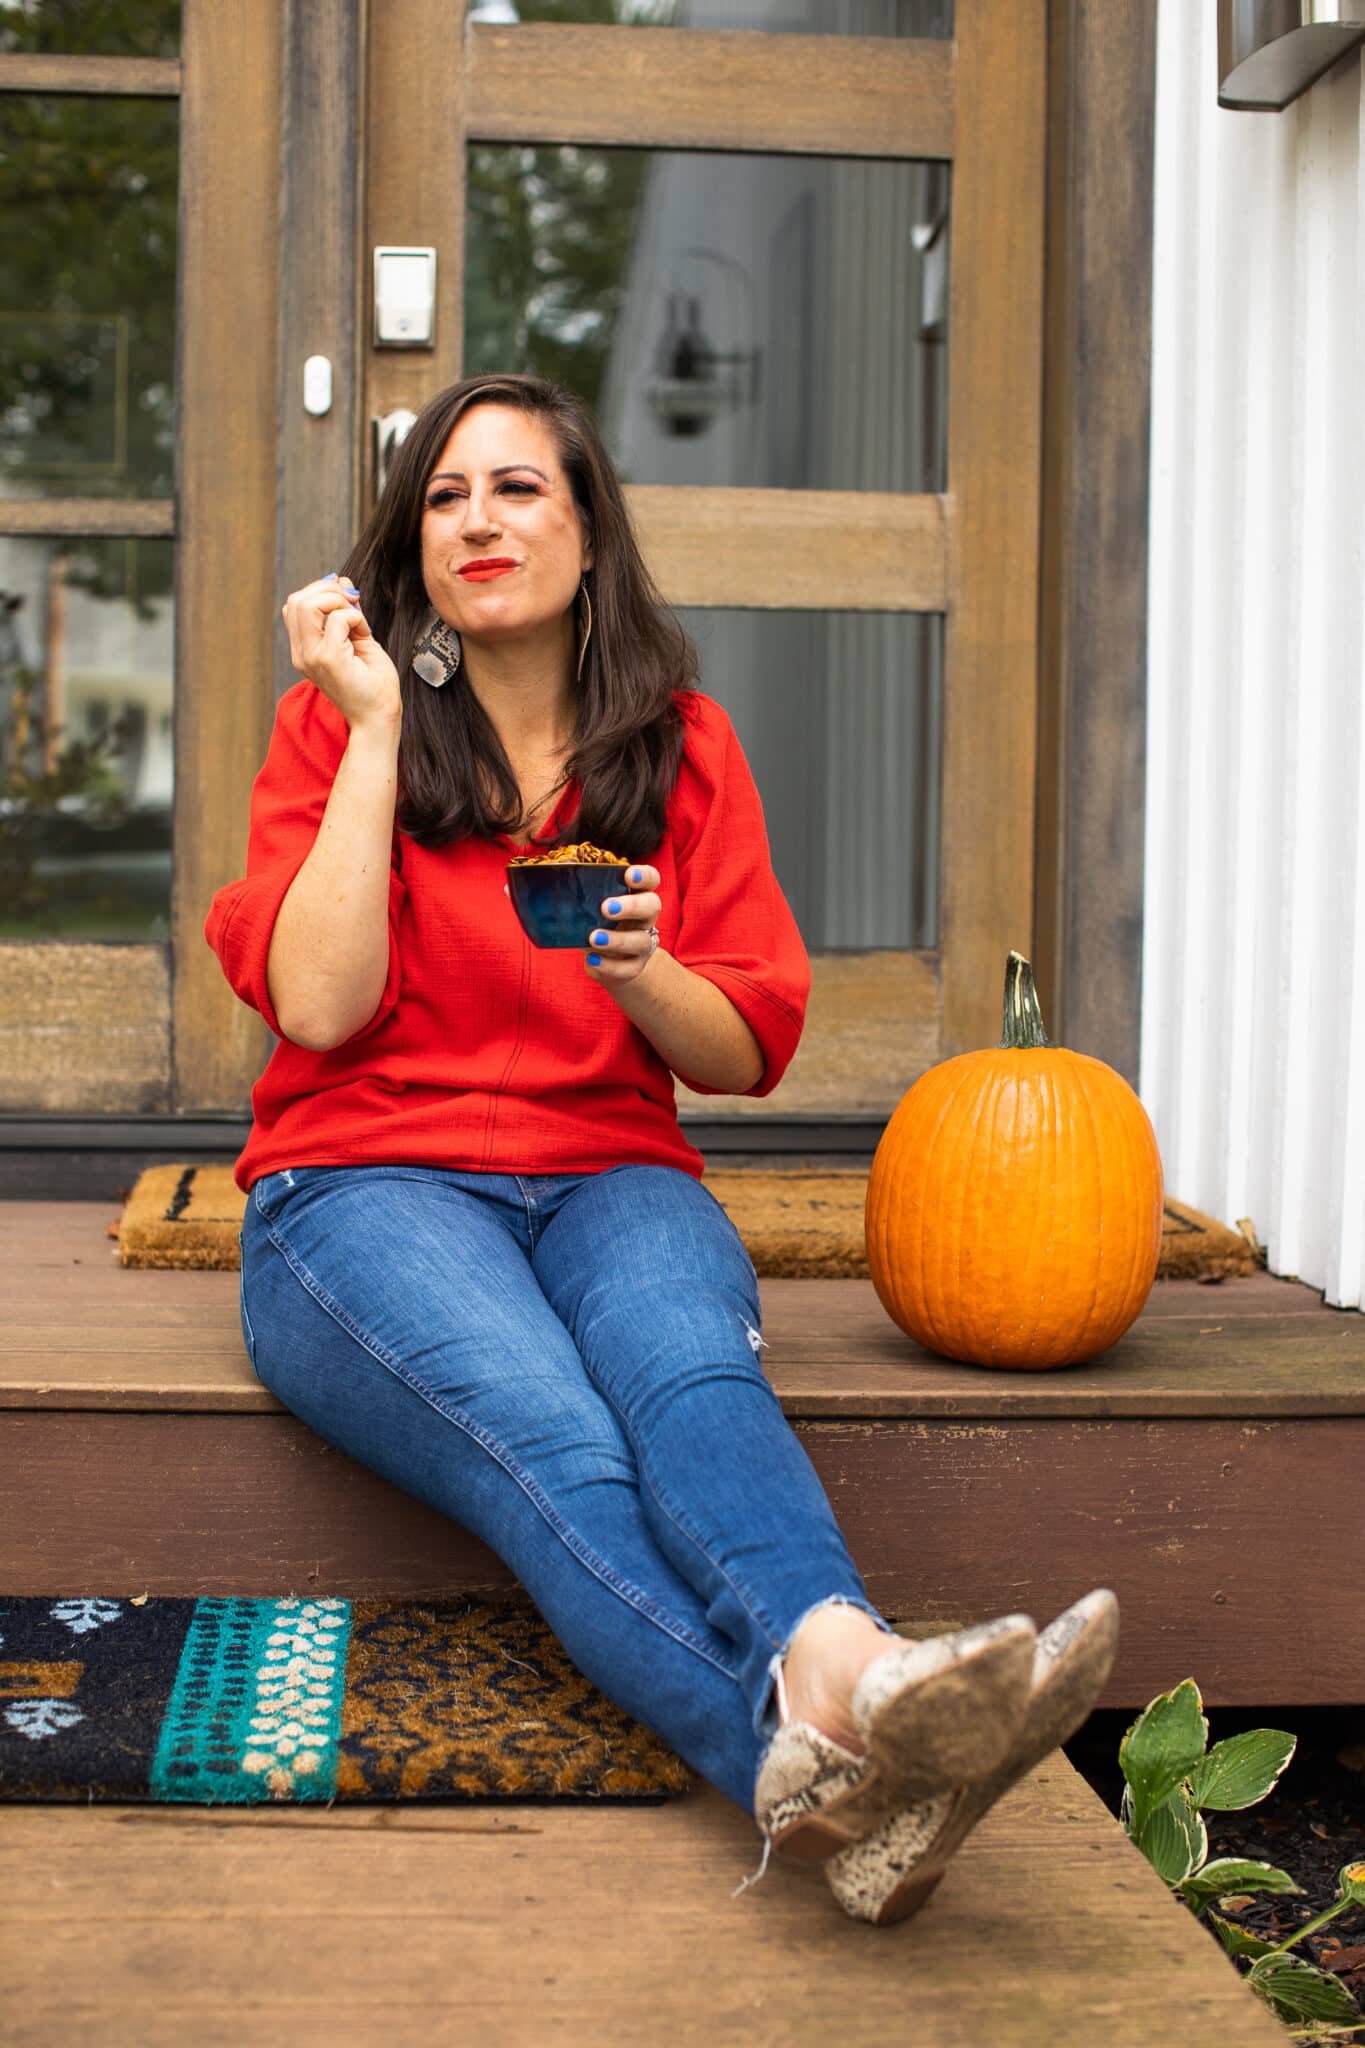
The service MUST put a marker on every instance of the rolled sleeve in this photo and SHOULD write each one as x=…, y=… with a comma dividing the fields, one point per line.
x=288, y=799
x=736, y=927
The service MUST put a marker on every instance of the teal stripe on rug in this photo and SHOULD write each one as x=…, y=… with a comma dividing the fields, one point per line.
x=255, y=1711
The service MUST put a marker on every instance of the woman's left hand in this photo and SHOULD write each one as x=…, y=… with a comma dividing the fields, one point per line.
x=620, y=947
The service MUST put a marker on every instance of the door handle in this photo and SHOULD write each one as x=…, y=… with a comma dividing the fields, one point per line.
x=391, y=430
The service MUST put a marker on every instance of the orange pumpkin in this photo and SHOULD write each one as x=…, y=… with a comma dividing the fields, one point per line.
x=1014, y=1205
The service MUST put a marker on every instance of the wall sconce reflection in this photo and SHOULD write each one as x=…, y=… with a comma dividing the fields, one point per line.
x=693, y=381
x=930, y=242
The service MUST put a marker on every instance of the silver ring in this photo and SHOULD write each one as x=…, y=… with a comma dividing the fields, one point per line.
x=653, y=937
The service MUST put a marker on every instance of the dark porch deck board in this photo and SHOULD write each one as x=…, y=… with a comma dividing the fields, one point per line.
x=1205, y=1468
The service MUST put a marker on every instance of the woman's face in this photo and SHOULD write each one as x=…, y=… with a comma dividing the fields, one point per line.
x=498, y=495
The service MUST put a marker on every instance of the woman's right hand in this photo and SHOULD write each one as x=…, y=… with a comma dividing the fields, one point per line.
x=331, y=643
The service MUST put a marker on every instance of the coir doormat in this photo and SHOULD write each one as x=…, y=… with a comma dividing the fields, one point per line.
x=252, y=1701
x=797, y=1225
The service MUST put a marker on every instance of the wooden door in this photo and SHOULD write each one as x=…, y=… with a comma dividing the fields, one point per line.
x=312, y=131
x=138, y=291
x=444, y=94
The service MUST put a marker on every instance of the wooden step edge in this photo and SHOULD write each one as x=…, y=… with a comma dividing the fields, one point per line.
x=1049, y=1404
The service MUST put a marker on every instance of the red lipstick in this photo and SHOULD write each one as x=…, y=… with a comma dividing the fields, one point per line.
x=483, y=571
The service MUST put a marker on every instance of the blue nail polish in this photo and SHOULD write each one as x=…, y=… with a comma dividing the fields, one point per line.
x=600, y=939
x=594, y=960
x=635, y=875
x=613, y=908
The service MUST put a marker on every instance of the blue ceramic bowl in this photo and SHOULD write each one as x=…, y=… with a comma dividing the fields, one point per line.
x=560, y=902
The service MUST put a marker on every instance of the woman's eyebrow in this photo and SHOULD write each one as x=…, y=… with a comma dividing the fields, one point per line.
x=457, y=476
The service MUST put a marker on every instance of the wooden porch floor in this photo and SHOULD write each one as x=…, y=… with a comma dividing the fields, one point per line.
x=1193, y=1469
x=420, y=1924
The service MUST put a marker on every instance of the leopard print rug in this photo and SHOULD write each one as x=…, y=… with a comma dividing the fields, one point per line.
x=258, y=1700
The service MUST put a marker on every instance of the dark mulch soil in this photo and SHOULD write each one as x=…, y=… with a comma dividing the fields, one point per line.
x=1312, y=1823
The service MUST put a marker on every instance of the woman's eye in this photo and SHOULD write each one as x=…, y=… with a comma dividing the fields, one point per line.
x=445, y=497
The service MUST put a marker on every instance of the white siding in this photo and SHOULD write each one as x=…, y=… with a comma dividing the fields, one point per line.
x=1253, y=1032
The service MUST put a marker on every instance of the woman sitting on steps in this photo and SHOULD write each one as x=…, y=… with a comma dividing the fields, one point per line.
x=477, y=1254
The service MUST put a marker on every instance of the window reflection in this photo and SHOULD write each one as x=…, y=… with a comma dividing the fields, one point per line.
x=840, y=716
x=91, y=28
x=769, y=321
x=799, y=17
x=86, y=756
x=87, y=296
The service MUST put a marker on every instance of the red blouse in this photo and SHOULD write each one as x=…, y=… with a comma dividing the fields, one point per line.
x=487, y=1053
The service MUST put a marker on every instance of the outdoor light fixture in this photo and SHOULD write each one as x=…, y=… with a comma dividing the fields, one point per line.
x=1269, y=51
x=692, y=382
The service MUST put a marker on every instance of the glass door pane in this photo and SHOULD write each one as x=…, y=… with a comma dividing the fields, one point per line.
x=86, y=755
x=91, y=28
x=762, y=321
x=933, y=18
x=840, y=715
x=88, y=194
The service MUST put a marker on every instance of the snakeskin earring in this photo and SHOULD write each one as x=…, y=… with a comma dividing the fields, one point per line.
x=584, y=630
x=437, y=656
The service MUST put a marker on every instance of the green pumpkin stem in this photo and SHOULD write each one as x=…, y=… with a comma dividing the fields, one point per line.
x=1023, y=1017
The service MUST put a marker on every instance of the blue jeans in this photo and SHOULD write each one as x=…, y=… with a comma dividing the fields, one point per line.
x=566, y=1364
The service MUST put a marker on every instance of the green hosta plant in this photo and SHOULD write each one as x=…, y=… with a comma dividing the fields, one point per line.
x=1171, y=1780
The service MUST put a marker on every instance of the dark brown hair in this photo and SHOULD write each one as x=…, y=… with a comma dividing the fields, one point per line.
x=454, y=777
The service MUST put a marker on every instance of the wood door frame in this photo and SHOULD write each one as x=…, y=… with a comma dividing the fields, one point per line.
x=227, y=395
x=1096, y=477
x=322, y=297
